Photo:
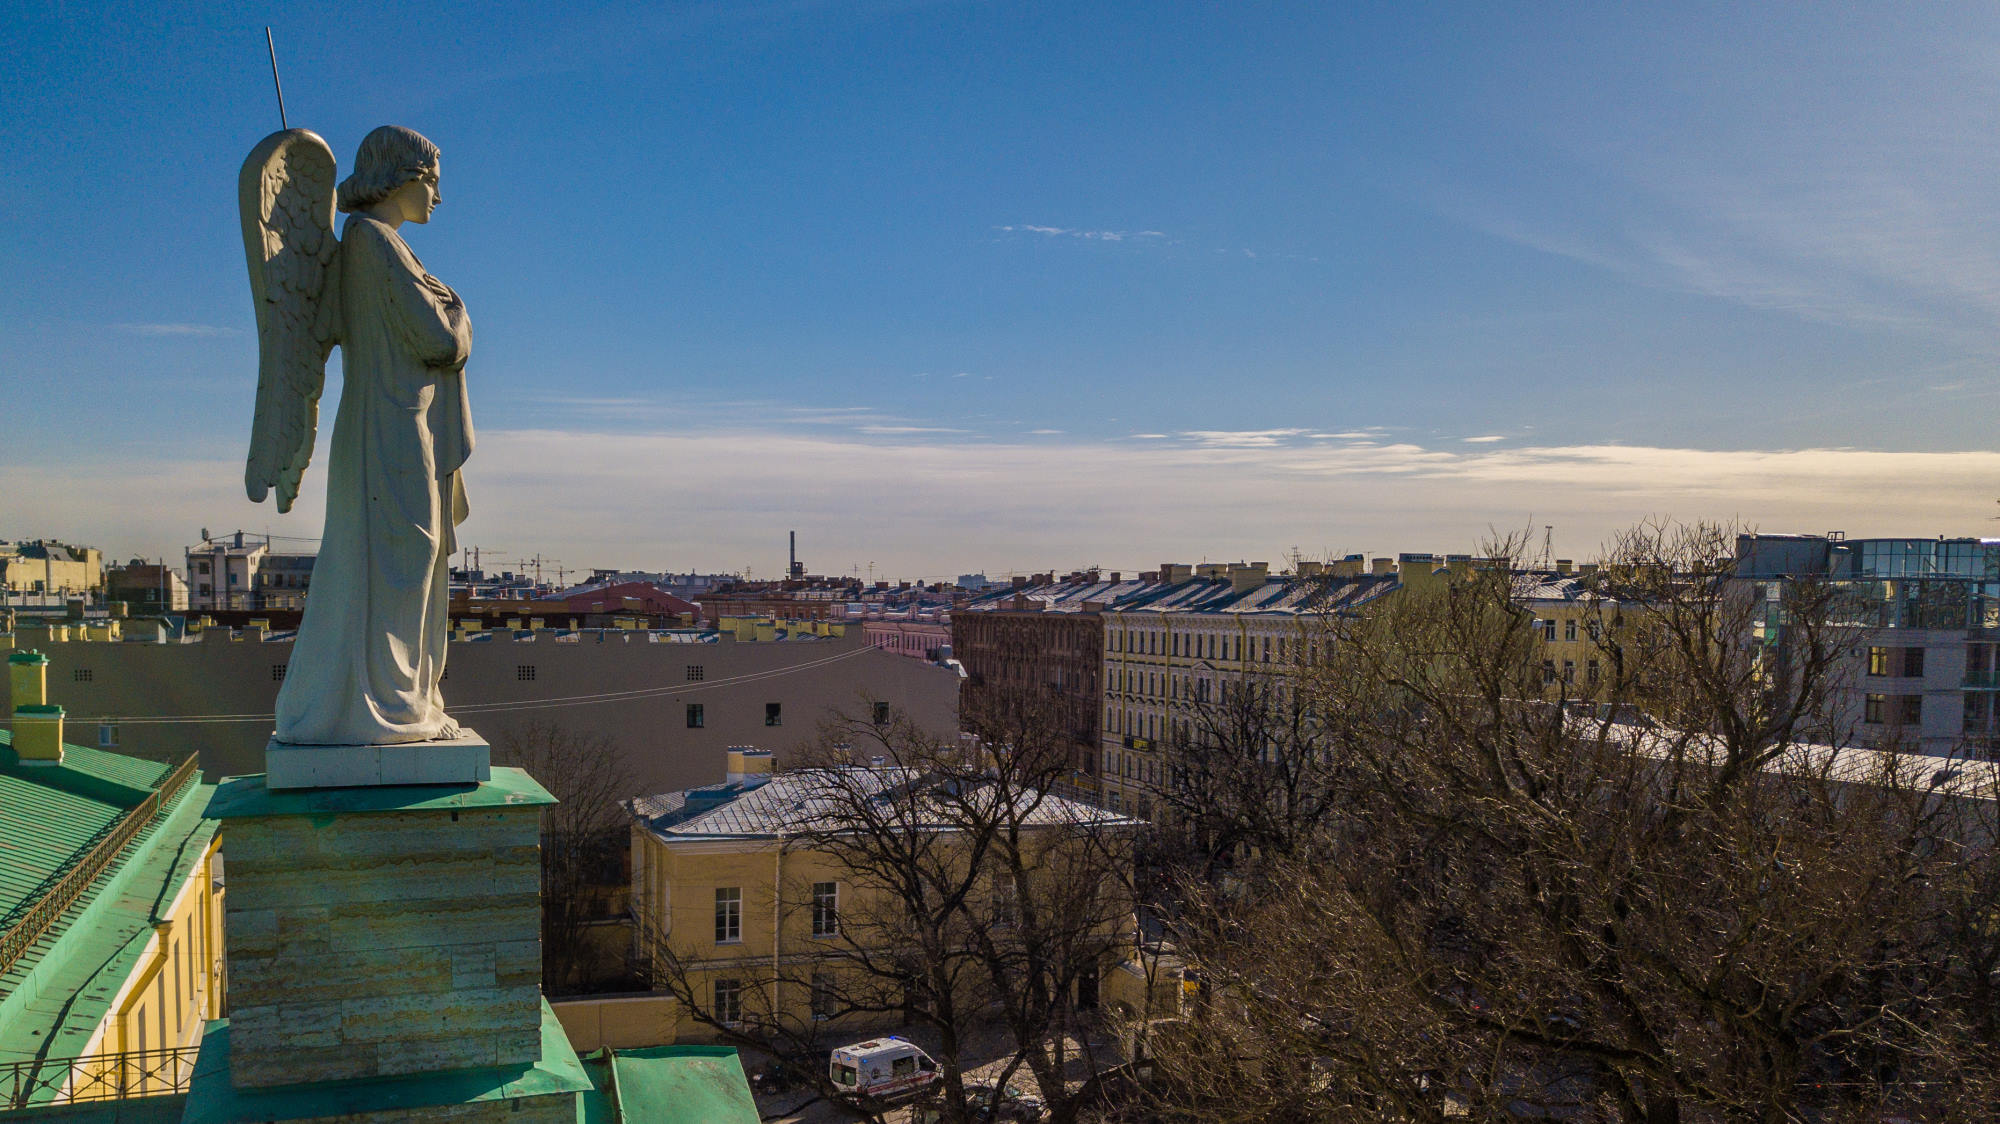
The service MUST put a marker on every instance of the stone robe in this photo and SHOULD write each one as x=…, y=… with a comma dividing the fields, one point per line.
x=371, y=647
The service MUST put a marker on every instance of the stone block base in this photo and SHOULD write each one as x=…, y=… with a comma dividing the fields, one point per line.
x=382, y=932
x=465, y=759
x=546, y=1090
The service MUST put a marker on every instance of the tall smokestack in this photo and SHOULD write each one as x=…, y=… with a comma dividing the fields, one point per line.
x=792, y=565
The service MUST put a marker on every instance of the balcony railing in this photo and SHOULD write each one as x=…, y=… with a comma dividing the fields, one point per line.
x=1982, y=680
x=50, y=906
x=97, y=1077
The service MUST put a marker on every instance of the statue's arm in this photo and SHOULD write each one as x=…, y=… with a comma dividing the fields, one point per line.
x=428, y=315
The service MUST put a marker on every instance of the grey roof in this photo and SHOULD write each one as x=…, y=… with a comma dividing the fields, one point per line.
x=804, y=800
x=1277, y=596
x=1289, y=595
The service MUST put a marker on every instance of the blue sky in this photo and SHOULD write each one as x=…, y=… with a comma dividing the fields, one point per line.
x=954, y=285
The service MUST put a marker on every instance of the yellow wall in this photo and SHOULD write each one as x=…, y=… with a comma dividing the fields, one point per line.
x=674, y=891
x=178, y=984
x=25, y=575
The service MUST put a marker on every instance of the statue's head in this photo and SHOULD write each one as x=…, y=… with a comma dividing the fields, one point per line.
x=391, y=159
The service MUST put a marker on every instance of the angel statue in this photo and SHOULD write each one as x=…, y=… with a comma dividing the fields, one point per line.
x=371, y=647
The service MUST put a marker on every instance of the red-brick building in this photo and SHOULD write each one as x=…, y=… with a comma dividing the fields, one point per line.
x=1044, y=637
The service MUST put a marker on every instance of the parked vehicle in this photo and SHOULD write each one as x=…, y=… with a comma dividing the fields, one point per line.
x=882, y=1068
x=989, y=1103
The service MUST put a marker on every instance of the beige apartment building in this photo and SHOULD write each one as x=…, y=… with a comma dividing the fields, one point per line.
x=50, y=568
x=1211, y=630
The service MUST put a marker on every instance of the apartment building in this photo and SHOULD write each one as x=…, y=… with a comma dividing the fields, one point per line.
x=1208, y=631
x=1043, y=638
x=51, y=569
x=1924, y=673
x=243, y=571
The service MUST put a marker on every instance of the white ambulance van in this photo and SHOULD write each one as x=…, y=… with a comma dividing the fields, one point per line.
x=884, y=1068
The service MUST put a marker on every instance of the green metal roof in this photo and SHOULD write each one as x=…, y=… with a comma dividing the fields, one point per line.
x=679, y=1085
x=55, y=995
x=51, y=814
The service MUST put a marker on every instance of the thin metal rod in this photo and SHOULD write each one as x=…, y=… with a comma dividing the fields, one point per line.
x=280, y=86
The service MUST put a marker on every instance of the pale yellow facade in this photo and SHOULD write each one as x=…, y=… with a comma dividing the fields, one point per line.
x=50, y=568
x=1160, y=666
x=760, y=924
x=767, y=886
x=179, y=984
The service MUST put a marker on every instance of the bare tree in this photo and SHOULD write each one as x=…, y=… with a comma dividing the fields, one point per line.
x=583, y=848
x=1658, y=903
x=976, y=905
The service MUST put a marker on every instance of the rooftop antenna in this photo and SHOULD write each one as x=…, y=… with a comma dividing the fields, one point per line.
x=1548, y=558
x=272, y=46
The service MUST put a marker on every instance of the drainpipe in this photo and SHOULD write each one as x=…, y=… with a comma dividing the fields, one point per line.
x=777, y=921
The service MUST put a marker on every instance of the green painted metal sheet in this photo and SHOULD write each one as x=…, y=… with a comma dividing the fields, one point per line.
x=682, y=1085
x=52, y=998
x=241, y=797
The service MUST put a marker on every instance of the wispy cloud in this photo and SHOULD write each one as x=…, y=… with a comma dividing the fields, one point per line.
x=961, y=505
x=1088, y=235
x=1484, y=439
x=193, y=331
x=901, y=430
x=1239, y=438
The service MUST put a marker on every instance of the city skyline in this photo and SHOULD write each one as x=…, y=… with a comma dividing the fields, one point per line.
x=949, y=287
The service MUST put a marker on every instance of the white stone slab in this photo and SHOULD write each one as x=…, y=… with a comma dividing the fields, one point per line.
x=465, y=759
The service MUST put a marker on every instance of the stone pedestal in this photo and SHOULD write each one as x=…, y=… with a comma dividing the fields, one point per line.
x=377, y=932
x=461, y=760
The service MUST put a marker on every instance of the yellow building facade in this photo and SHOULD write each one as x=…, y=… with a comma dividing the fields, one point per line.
x=757, y=920
x=113, y=960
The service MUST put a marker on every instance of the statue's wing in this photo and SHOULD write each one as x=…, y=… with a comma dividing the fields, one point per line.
x=286, y=192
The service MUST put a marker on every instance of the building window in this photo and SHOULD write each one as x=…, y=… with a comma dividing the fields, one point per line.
x=823, y=1001
x=728, y=914
x=1590, y=671
x=1910, y=711
x=1548, y=671
x=1569, y=629
x=1874, y=709
x=881, y=714
x=696, y=717
x=729, y=1001
x=81, y=675
x=107, y=733
x=773, y=714
x=1548, y=629
x=524, y=673
x=277, y=673
x=1569, y=671
x=1913, y=663
x=826, y=909
x=1003, y=901
x=696, y=673
x=1878, y=661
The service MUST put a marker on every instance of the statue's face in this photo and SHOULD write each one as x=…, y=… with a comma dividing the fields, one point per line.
x=421, y=196
x=415, y=200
